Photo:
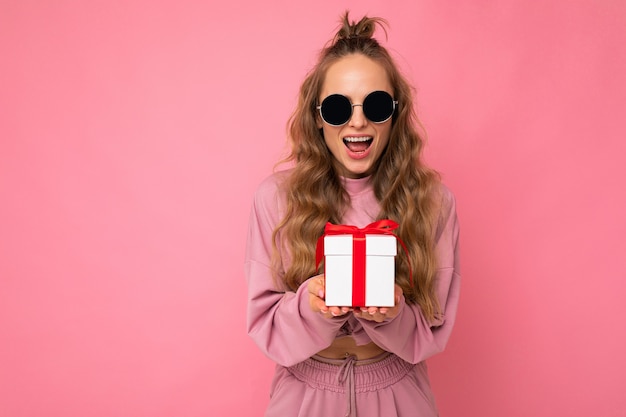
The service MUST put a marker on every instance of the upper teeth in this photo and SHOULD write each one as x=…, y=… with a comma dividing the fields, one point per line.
x=359, y=139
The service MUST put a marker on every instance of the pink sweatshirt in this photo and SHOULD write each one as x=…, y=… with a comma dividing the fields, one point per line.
x=286, y=329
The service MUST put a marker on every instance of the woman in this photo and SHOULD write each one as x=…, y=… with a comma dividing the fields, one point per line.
x=357, y=151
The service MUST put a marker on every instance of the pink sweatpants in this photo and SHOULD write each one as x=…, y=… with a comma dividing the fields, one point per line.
x=385, y=386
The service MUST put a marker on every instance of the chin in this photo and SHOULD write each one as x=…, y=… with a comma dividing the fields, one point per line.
x=358, y=173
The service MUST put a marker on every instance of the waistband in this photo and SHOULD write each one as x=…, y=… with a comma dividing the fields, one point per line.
x=369, y=374
x=350, y=375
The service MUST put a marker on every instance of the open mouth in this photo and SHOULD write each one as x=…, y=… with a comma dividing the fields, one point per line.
x=358, y=144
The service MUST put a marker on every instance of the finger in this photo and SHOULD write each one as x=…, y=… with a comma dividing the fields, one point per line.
x=320, y=291
x=316, y=287
x=333, y=311
x=336, y=311
x=321, y=306
x=397, y=294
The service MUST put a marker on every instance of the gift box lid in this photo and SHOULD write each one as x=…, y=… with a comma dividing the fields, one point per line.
x=375, y=245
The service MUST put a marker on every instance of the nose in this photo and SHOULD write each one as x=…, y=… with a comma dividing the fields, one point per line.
x=358, y=119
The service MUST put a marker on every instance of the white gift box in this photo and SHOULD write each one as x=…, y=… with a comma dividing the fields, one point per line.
x=379, y=278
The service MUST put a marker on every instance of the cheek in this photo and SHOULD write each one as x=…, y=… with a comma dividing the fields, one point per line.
x=329, y=133
x=328, y=139
x=385, y=134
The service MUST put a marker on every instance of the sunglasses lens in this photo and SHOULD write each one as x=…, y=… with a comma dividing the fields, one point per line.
x=378, y=106
x=336, y=109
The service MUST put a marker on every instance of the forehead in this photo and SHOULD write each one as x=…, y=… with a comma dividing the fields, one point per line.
x=355, y=76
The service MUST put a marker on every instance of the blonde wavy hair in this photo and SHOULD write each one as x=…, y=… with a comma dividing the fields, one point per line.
x=406, y=189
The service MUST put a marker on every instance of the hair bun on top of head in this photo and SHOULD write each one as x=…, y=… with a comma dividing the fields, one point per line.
x=363, y=29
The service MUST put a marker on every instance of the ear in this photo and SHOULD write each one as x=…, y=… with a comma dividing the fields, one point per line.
x=318, y=120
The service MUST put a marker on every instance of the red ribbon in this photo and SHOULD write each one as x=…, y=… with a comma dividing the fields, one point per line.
x=380, y=227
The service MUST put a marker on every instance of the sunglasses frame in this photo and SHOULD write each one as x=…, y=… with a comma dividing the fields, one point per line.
x=352, y=106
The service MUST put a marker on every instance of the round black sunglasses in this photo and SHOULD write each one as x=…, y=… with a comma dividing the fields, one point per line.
x=378, y=107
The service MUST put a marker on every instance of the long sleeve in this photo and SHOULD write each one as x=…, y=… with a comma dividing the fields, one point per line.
x=409, y=335
x=281, y=323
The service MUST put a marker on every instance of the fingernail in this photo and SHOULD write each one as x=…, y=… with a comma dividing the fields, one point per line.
x=320, y=293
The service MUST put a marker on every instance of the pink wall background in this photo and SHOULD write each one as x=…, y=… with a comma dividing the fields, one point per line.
x=133, y=134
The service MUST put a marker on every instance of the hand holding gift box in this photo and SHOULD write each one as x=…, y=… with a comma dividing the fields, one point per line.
x=359, y=264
